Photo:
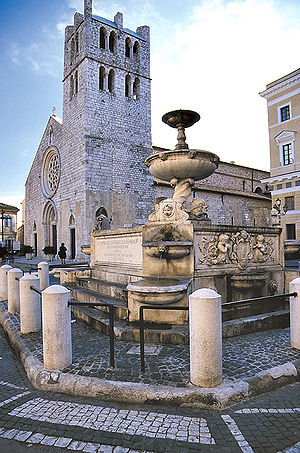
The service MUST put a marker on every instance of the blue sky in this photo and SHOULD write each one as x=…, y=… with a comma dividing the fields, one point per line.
x=210, y=56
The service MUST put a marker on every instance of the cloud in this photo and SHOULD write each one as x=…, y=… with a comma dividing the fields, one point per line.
x=36, y=57
x=216, y=63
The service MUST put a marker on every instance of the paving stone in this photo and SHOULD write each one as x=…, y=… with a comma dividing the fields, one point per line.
x=62, y=442
x=91, y=448
x=9, y=434
x=22, y=435
x=36, y=438
x=49, y=440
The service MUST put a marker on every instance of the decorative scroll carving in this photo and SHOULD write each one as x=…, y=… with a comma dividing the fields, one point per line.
x=236, y=248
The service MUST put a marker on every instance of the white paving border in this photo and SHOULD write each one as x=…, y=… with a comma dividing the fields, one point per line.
x=133, y=422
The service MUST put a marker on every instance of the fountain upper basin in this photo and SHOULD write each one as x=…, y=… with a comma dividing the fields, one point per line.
x=182, y=164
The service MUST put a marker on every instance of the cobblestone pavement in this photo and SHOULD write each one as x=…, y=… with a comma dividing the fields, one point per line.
x=243, y=356
x=49, y=422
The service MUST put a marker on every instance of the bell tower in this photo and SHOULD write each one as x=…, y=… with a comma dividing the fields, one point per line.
x=107, y=118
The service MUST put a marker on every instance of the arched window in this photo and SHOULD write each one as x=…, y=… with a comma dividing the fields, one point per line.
x=103, y=35
x=112, y=41
x=111, y=81
x=71, y=87
x=76, y=83
x=50, y=135
x=102, y=75
x=258, y=190
x=71, y=220
x=128, y=46
x=101, y=211
x=136, y=50
x=72, y=50
x=127, y=86
x=76, y=43
x=136, y=88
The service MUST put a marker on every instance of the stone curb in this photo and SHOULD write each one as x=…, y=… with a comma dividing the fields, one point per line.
x=226, y=394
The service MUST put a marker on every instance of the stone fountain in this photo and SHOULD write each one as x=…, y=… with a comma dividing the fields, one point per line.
x=168, y=234
x=179, y=250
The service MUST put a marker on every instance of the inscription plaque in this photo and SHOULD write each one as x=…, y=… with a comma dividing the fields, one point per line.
x=119, y=250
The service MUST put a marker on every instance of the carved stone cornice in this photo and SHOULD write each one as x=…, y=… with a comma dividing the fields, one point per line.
x=275, y=88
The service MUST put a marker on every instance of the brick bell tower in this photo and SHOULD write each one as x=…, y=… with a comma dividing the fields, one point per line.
x=107, y=119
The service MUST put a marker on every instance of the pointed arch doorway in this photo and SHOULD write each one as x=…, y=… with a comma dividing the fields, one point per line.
x=50, y=224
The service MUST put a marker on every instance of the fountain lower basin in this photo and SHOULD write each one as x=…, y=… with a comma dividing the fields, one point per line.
x=158, y=292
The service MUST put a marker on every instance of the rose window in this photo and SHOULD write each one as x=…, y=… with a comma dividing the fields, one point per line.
x=50, y=173
x=53, y=173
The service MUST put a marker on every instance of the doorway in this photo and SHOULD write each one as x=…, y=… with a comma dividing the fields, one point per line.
x=72, y=243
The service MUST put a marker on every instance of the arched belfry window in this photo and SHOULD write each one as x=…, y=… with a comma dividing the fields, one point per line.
x=76, y=82
x=136, y=50
x=136, y=88
x=76, y=43
x=111, y=81
x=112, y=41
x=128, y=47
x=72, y=51
x=102, y=76
x=103, y=37
x=128, y=86
x=71, y=87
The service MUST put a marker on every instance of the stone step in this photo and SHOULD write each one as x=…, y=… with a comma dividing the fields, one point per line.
x=163, y=334
x=86, y=295
x=130, y=332
x=111, y=289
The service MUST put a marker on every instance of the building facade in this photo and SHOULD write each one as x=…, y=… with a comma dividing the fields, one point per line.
x=8, y=225
x=283, y=103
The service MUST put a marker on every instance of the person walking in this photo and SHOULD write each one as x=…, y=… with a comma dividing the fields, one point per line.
x=62, y=253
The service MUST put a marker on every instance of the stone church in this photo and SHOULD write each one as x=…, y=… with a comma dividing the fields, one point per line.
x=92, y=161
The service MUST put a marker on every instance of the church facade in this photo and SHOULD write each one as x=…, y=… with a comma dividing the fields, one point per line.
x=91, y=163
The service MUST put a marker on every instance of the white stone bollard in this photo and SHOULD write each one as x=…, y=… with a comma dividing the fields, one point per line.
x=43, y=274
x=13, y=292
x=205, y=318
x=295, y=314
x=30, y=304
x=57, y=345
x=3, y=281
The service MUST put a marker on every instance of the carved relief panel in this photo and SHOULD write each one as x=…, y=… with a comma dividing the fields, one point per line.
x=239, y=249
